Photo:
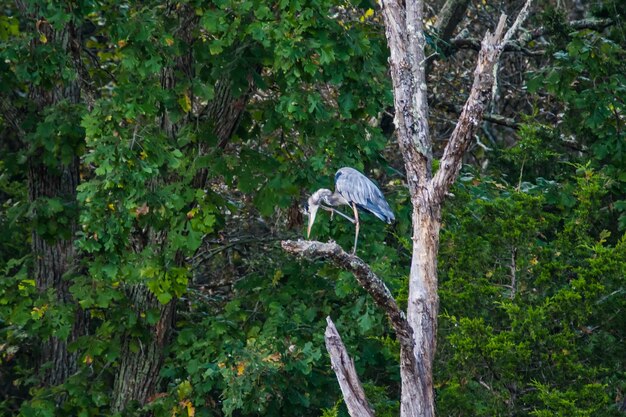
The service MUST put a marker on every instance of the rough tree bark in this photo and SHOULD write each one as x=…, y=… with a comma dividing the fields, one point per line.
x=405, y=37
x=137, y=379
x=343, y=365
x=52, y=259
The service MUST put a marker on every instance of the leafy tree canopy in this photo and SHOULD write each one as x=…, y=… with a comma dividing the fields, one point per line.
x=198, y=128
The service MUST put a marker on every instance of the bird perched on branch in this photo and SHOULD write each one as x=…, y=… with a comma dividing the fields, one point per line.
x=355, y=190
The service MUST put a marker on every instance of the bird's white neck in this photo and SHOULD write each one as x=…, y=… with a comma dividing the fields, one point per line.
x=327, y=197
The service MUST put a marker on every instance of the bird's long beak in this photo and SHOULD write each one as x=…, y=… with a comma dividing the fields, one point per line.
x=312, y=212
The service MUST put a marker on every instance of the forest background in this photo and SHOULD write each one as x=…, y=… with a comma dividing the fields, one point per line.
x=154, y=154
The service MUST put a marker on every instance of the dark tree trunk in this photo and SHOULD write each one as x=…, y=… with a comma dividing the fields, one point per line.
x=137, y=379
x=54, y=256
x=52, y=259
x=138, y=375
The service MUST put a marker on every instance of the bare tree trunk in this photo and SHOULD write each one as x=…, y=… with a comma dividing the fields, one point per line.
x=423, y=308
x=417, y=333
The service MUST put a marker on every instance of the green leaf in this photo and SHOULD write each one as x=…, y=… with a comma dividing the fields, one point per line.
x=164, y=297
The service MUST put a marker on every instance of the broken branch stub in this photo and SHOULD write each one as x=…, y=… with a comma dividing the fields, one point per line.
x=343, y=366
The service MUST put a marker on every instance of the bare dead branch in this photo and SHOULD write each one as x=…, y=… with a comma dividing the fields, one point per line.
x=365, y=277
x=521, y=18
x=489, y=117
x=520, y=45
x=511, y=46
x=343, y=366
x=474, y=108
x=449, y=17
x=472, y=113
x=595, y=24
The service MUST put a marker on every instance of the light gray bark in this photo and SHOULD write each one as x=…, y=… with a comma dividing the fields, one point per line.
x=404, y=31
x=427, y=193
x=343, y=366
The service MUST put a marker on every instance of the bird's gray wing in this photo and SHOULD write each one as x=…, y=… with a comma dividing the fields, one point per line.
x=357, y=188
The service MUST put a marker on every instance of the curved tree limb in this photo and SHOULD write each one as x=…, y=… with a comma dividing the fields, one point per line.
x=343, y=365
x=410, y=366
x=365, y=277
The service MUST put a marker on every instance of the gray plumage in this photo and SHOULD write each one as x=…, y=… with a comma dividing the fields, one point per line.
x=357, y=188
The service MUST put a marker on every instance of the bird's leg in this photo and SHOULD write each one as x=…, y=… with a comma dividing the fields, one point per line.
x=332, y=210
x=356, y=223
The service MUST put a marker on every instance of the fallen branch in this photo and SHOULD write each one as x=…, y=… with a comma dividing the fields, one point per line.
x=365, y=277
x=343, y=366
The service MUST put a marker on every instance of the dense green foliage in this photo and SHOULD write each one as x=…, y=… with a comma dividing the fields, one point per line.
x=531, y=304
x=532, y=259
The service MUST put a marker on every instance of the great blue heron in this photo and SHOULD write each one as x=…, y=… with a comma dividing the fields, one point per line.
x=355, y=190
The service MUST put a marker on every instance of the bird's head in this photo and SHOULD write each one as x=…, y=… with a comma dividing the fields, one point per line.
x=314, y=202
